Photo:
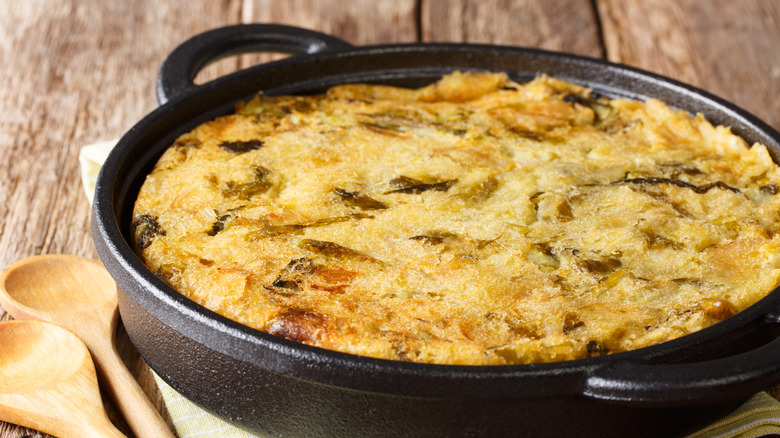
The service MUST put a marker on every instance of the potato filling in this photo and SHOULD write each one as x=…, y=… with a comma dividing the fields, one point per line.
x=476, y=220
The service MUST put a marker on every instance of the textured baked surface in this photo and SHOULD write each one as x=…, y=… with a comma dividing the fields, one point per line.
x=473, y=221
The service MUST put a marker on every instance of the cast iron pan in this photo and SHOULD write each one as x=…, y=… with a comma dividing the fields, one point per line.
x=277, y=387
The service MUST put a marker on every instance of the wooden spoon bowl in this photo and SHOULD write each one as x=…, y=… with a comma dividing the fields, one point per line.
x=56, y=284
x=48, y=382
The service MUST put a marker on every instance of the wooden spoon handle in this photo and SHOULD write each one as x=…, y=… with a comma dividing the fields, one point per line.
x=142, y=417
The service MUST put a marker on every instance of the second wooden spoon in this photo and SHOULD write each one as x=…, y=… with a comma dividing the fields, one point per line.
x=48, y=383
x=80, y=295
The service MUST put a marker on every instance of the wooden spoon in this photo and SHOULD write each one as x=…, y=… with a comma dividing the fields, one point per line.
x=48, y=382
x=80, y=295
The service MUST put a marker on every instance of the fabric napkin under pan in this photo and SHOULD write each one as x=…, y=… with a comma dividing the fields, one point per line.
x=757, y=417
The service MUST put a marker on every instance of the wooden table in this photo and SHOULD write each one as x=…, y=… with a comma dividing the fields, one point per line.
x=79, y=71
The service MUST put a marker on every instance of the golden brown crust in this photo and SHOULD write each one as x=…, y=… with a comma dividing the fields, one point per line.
x=473, y=221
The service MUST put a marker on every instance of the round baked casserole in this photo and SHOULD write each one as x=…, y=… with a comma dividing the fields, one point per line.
x=473, y=221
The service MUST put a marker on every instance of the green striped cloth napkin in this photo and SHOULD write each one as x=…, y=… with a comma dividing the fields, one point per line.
x=757, y=417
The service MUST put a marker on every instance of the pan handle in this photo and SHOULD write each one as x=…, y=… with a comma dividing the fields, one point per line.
x=688, y=383
x=180, y=67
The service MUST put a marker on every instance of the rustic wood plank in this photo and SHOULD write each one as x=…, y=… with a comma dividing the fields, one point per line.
x=727, y=48
x=55, y=54
x=567, y=25
x=356, y=22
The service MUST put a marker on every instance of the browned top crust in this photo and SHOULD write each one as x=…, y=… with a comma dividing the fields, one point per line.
x=473, y=221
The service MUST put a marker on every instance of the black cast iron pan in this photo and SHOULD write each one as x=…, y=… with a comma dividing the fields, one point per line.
x=277, y=387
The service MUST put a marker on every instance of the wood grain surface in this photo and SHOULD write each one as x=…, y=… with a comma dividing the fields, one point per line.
x=79, y=71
